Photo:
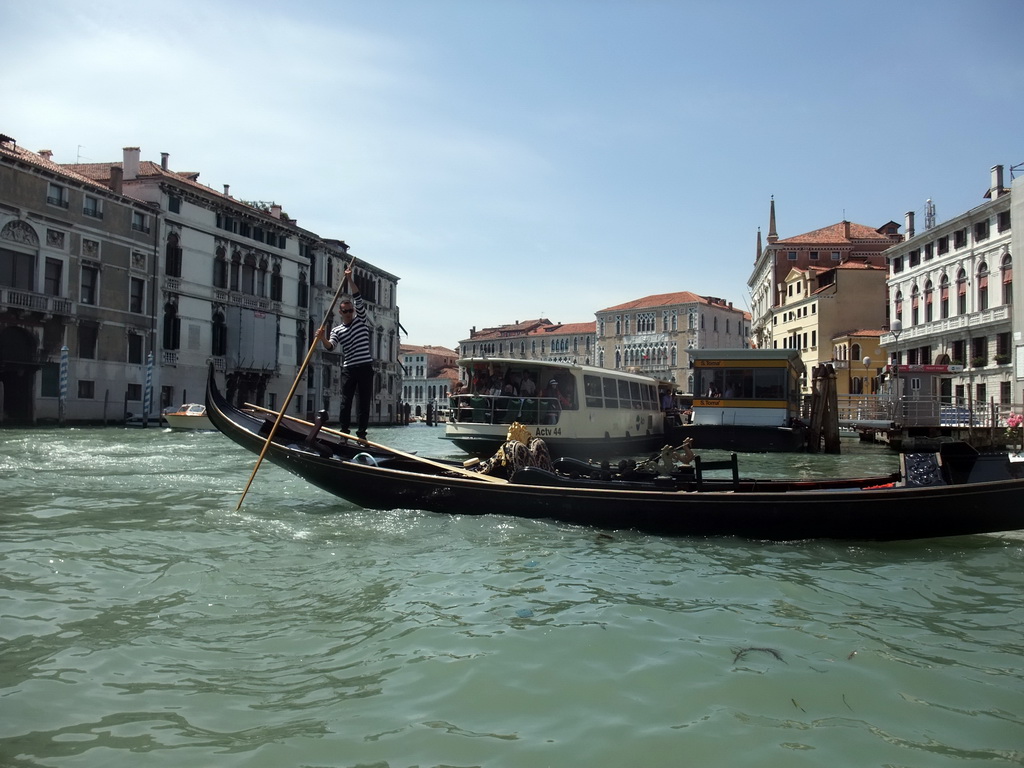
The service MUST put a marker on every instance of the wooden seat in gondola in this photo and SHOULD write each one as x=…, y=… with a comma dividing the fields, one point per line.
x=700, y=466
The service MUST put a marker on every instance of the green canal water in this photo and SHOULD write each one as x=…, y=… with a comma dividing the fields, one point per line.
x=145, y=622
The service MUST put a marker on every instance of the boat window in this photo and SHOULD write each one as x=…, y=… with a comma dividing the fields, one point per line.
x=634, y=393
x=611, y=394
x=712, y=383
x=652, y=403
x=624, y=394
x=592, y=389
x=739, y=383
x=770, y=383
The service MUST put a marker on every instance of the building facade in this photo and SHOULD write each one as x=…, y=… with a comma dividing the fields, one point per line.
x=653, y=335
x=538, y=339
x=429, y=373
x=823, y=248
x=182, y=277
x=951, y=289
x=858, y=357
x=77, y=293
x=819, y=305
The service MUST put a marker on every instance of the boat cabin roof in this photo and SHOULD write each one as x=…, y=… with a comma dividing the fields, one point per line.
x=553, y=366
x=736, y=357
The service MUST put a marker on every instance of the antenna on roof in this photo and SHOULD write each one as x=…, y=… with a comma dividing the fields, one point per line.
x=78, y=157
x=929, y=214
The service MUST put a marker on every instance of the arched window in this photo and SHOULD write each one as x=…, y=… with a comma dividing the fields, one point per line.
x=944, y=297
x=172, y=324
x=249, y=274
x=172, y=261
x=982, y=286
x=961, y=292
x=303, y=290
x=928, y=291
x=18, y=268
x=236, y=268
x=898, y=306
x=261, y=278
x=1006, y=268
x=220, y=269
x=276, y=284
x=219, y=345
x=915, y=301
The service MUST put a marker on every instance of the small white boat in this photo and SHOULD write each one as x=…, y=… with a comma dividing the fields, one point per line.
x=189, y=416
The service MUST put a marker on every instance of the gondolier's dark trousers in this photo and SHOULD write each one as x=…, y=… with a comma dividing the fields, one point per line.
x=356, y=381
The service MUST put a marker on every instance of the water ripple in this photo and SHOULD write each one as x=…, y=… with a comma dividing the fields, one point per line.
x=140, y=613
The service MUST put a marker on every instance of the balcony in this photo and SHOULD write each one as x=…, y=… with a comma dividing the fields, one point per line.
x=30, y=301
x=974, y=321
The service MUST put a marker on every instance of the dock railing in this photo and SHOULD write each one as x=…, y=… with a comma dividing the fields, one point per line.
x=880, y=411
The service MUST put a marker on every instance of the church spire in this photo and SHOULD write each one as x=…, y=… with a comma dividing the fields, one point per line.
x=773, y=236
x=758, y=257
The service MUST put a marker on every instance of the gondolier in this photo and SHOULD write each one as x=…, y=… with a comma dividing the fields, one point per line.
x=353, y=336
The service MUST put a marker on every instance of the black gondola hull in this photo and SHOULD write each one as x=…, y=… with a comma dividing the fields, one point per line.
x=765, y=510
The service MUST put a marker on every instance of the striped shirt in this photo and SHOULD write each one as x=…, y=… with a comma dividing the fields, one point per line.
x=354, y=339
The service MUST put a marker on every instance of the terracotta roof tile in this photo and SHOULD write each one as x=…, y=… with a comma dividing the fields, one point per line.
x=565, y=328
x=836, y=234
x=69, y=172
x=425, y=349
x=667, y=299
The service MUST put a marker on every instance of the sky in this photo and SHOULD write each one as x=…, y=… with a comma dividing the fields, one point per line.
x=516, y=159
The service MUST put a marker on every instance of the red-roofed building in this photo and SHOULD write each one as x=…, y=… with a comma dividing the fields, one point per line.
x=538, y=339
x=651, y=335
x=822, y=248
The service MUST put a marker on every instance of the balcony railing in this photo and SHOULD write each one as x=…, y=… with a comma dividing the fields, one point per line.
x=12, y=298
x=876, y=410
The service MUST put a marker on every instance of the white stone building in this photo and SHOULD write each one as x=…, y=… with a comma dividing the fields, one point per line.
x=951, y=288
x=652, y=335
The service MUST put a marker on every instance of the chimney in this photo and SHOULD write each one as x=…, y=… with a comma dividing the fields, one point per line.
x=910, y=224
x=846, y=229
x=997, y=182
x=275, y=211
x=226, y=192
x=46, y=154
x=163, y=160
x=131, y=163
x=116, y=179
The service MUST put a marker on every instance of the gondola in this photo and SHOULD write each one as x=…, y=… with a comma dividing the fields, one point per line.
x=953, y=492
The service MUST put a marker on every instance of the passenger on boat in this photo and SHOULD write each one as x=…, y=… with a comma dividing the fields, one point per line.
x=555, y=401
x=527, y=388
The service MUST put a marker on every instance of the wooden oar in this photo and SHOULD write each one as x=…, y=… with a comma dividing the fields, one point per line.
x=429, y=462
x=295, y=384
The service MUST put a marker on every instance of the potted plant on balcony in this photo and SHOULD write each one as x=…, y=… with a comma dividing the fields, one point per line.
x=979, y=362
x=1002, y=359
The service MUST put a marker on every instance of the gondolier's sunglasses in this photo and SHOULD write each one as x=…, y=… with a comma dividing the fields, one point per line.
x=347, y=311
